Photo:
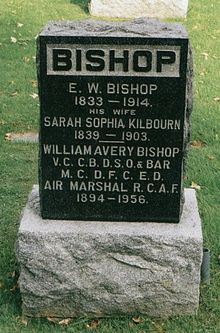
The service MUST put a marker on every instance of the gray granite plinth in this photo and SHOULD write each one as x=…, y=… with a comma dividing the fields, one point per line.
x=101, y=269
x=137, y=8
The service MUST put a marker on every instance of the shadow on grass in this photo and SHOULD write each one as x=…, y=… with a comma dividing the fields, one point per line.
x=83, y=4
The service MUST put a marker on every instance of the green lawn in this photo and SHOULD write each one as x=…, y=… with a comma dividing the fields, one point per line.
x=20, y=22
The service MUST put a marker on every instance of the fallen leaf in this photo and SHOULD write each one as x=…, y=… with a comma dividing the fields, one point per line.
x=1, y=285
x=65, y=322
x=22, y=43
x=216, y=99
x=205, y=55
x=34, y=95
x=8, y=136
x=53, y=320
x=13, y=40
x=93, y=324
x=34, y=83
x=197, y=143
x=14, y=94
x=137, y=320
x=26, y=59
x=195, y=186
x=19, y=25
x=211, y=158
x=13, y=274
x=219, y=259
x=24, y=321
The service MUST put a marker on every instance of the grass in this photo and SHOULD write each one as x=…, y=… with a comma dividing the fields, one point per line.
x=20, y=22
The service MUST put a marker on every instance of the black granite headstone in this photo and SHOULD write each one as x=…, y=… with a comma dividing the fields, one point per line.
x=114, y=122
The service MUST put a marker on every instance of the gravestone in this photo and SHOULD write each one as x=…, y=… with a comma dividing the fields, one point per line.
x=115, y=105
x=139, y=8
x=113, y=115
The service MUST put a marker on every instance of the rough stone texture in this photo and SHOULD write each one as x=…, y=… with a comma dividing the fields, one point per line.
x=98, y=269
x=131, y=8
x=141, y=27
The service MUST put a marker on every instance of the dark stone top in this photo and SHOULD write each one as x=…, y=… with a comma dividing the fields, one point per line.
x=140, y=27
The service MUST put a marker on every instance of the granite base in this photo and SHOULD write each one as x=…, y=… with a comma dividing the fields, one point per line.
x=107, y=269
